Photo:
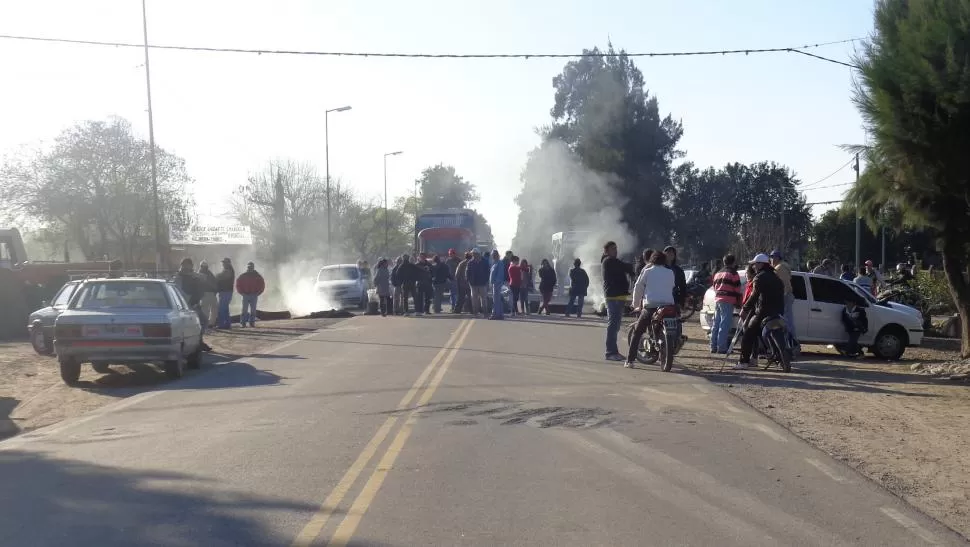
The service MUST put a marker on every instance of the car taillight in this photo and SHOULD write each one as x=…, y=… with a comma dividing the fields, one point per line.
x=156, y=331
x=67, y=331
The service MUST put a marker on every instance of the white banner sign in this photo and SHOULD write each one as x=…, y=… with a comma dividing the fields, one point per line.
x=213, y=234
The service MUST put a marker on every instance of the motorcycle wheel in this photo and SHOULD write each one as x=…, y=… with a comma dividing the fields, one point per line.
x=642, y=355
x=781, y=349
x=666, y=354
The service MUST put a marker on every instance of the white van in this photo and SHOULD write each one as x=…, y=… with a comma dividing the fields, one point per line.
x=819, y=301
x=343, y=285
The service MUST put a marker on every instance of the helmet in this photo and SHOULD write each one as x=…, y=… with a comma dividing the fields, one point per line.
x=760, y=258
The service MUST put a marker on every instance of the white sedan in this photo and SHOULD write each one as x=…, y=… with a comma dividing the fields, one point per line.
x=819, y=301
x=127, y=321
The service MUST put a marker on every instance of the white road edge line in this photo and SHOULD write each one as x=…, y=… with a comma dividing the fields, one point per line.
x=19, y=441
x=910, y=525
x=774, y=435
x=703, y=388
x=826, y=470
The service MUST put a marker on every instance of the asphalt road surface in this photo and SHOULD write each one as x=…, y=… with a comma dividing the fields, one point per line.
x=438, y=431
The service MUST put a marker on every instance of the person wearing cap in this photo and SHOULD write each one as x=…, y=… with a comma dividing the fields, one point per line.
x=452, y=262
x=767, y=300
x=249, y=285
x=783, y=270
x=225, y=280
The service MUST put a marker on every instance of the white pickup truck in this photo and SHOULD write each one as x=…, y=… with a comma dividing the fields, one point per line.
x=819, y=301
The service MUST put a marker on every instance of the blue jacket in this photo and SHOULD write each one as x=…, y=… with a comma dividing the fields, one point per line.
x=499, y=274
x=477, y=273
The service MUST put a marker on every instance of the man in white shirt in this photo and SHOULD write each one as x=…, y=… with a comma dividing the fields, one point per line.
x=653, y=289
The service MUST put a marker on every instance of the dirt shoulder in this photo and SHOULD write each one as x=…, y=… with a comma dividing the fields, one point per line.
x=904, y=430
x=32, y=394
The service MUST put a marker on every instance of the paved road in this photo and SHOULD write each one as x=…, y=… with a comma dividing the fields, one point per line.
x=438, y=431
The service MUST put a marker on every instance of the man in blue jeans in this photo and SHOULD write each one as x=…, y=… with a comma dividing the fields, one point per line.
x=727, y=296
x=616, y=289
x=497, y=278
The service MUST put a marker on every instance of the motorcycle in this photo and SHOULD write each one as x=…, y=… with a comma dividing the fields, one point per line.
x=775, y=343
x=662, y=340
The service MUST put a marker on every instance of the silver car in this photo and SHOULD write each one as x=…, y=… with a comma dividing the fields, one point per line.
x=40, y=324
x=125, y=321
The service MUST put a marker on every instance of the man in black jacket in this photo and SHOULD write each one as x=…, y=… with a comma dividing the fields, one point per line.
x=578, y=286
x=680, y=278
x=441, y=278
x=193, y=287
x=408, y=275
x=767, y=299
x=616, y=289
x=422, y=300
x=396, y=284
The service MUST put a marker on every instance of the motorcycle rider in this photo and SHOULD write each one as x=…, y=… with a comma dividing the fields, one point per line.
x=767, y=300
x=655, y=288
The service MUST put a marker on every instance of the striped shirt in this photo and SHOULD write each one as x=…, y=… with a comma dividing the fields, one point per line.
x=727, y=286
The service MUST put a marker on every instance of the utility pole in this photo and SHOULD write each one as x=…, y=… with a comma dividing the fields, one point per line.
x=415, y=216
x=858, y=222
x=386, y=245
x=151, y=145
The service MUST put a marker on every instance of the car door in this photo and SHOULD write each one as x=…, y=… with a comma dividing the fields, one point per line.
x=800, y=306
x=178, y=316
x=825, y=314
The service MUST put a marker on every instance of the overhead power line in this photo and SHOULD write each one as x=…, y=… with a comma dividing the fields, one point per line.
x=831, y=186
x=830, y=175
x=798, y=50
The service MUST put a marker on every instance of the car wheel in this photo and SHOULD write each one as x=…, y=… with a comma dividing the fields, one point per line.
x=890, y=343
x=173, y=369
x=102, y=367
x=194, y=360
x=42, y=345
x=70, y=370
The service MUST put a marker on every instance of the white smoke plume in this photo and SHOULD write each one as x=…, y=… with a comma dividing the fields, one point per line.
x=561, y=194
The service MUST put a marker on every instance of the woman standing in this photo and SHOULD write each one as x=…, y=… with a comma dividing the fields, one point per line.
x=528, y=285
x=382, y=282
x=547, y=282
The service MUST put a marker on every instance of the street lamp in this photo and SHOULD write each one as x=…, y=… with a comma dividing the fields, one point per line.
x=151, y=145
x=386, y=245
x=326, y=144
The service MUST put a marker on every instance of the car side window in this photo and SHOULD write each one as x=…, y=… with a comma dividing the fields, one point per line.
x=833, y=291
x=798, y=287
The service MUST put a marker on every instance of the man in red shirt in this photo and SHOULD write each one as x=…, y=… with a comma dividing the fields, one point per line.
x=515, y=283
x=727, y=296
x=249, y=285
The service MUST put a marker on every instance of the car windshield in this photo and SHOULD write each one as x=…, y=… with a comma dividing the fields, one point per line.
x=865, y=294
x=64, y=295
x=348, y=273
x=104, y=295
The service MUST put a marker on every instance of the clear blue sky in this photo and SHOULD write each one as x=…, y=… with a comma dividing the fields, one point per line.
x=229, y=113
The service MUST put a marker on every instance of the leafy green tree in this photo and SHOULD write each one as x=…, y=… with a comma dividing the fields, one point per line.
x=623, y=148
x=94, y=184
x=914, y=96
x=443, y=188
x=738, y=208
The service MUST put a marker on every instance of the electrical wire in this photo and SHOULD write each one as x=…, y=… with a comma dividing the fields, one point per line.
x=798, y=49
x=827, y=177
x=832, y=186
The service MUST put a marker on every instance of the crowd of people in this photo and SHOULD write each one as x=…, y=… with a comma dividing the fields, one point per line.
x=210, y=294
x=474, y=283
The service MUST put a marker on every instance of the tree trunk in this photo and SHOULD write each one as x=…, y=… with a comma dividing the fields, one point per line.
x=954, y=257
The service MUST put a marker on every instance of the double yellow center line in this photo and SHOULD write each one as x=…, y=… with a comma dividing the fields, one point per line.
x=353, y=517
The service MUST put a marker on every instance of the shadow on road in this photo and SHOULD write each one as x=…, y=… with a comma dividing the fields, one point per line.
x=60, y=502
x=144, y=377
x=7, y=427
